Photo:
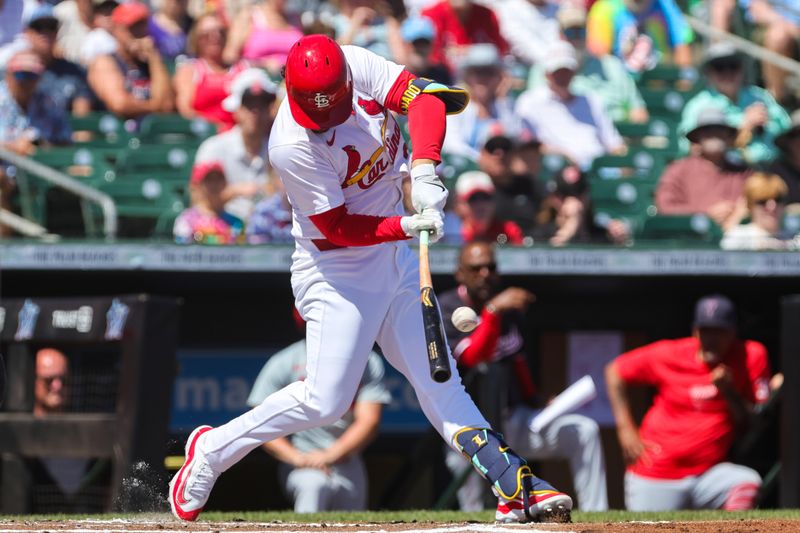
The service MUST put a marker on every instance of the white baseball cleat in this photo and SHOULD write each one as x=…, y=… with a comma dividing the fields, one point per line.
x=544, y=504
x=191, y=486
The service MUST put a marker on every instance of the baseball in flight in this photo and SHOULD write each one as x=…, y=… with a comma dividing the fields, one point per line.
x=465, y=319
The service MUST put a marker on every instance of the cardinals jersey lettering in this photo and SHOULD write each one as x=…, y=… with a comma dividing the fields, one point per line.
x=359, y=164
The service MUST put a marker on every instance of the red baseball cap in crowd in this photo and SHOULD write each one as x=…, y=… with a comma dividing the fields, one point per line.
x=472, y=182
x=203, y=169
x=129, y=13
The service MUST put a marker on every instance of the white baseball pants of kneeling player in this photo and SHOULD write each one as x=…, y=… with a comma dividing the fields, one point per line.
x=350, y=299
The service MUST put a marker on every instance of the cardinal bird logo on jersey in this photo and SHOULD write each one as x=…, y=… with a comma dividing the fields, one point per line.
x=353, y=160
x=372, y=107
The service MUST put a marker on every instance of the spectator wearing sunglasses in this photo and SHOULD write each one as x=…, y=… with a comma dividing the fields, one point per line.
x=28, y=116
x=63, y=80
x=476, y=206
x=750, y=109
x=202, y=83
x=765, y=195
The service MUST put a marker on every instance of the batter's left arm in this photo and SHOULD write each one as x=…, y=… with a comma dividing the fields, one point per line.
x=427, y=104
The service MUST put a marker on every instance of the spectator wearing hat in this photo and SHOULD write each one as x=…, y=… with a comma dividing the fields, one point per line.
x=63, y=80
x=706, y=181
x=706, y=387
x=529, y=26
x=641, y=33
x=206, y=221
x=242, y=150
x=765, y=195
x=750, y=109
x=576, y=126
x=202, y=83
x=418, y=34
x=604, y=76
x=787, y=164
x=28, y=116
x=477, y=208
x=781, y=24
x=513, y=168
x=460, y=23
x=133, y=81
x=490, y=111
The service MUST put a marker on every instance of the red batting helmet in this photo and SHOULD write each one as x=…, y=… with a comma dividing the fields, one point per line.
x=318, y=83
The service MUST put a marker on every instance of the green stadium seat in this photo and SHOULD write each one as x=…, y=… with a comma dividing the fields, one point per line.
x=665, y=102
x=169, y=158
x=628, y=199
x=174, y=129
x=669, y=76
x=683, y=229
x=453, y=166
x=101, y=130
x=635, y=164
x=659, y=135
x=141, y=205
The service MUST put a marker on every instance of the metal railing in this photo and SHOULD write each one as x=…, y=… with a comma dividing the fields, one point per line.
x=743, y=45
x=59, y=179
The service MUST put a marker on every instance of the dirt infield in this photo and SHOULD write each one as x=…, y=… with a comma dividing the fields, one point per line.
x=168, y=525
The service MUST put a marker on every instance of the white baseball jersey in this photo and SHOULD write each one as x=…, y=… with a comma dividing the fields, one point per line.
x=359, y=163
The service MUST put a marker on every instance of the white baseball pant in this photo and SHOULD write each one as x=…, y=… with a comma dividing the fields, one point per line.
x=350, y=299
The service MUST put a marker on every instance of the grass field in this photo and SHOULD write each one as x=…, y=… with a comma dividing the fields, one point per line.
x=411, y=520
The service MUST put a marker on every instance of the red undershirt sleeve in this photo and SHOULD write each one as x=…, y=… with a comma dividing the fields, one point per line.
x=344, y=229
x=427, y=120
x=483, y=341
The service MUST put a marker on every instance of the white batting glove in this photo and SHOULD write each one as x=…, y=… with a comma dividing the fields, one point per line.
x=430, y=220
x=427, y=190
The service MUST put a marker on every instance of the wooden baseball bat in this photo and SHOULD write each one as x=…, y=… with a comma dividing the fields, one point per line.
x=432, y=317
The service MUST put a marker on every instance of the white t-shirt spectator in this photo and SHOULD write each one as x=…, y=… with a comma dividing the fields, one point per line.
x=228, y=148
x=98, y=42
x=73, y=31
x=529, y=29
x=580, y=128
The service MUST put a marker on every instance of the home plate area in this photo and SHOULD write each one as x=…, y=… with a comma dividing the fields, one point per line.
x=169, y=525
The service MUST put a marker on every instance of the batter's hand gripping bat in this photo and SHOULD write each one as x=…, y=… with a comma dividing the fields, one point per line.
x=432, y=317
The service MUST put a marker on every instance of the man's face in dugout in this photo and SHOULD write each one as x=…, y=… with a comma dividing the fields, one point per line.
x=715, y=343
x=477, y=270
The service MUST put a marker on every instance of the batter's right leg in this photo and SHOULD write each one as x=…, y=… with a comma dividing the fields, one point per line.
x=454, y=415
x=341, y=326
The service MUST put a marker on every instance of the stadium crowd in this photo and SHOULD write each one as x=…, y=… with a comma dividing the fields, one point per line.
x=589, y=122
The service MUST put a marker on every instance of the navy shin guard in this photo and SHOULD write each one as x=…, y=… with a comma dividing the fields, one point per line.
x=509, y=474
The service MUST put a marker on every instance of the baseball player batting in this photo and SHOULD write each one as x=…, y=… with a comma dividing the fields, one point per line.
x=342, y=159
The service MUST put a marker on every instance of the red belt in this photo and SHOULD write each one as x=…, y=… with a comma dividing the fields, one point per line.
x=323, y=245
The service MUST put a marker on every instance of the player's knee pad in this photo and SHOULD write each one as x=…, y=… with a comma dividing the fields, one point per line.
x=494, y=460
